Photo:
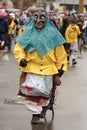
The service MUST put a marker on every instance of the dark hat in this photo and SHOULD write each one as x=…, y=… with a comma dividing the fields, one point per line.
x=73, y=21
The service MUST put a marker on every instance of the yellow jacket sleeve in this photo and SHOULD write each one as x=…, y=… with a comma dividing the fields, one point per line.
x=61, y=58
x=19, y=52
x=66, y=35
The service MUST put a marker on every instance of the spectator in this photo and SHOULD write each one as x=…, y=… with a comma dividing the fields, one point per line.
x=3, y=30
x=85, y=32
x=63, y=28
x=12, y=25
x=21, y=21
x=80, y=21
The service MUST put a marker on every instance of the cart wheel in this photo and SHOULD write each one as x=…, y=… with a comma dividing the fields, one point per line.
x=49, y=114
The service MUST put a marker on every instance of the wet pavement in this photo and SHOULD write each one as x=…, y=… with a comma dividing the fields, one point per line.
x=70, y=106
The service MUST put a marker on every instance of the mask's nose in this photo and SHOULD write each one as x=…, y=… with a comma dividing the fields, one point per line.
x=38, y=19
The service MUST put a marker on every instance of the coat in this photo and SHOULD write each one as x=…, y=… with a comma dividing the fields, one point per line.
x=71, y=34
x=11, y=27
x=48, y=64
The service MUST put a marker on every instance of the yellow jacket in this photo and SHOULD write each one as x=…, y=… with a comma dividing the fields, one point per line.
x=20, y=31
x=45, y=65
x=71, y=34
x=11, y=27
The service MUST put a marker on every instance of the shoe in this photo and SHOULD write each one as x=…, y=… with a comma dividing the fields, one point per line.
x=43, y=113
x=74, y=62
x=35, y=118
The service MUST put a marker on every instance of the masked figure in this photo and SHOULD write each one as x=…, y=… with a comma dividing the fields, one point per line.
x=42, y=59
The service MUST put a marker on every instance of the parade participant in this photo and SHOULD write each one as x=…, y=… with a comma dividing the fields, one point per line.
x=42, y=59
x=71, y=34
x=12, y=24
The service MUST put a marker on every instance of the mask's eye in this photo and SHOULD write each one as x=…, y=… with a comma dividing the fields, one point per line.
x=42, y=17
x=35, y=17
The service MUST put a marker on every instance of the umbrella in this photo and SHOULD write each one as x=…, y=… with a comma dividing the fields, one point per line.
x=13, y=10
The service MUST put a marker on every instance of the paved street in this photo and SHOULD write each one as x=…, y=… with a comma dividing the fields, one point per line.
x=71, y=103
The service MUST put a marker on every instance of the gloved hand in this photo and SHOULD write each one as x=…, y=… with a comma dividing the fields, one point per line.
x=60, y=73
x=23, y=63
x=56, y=80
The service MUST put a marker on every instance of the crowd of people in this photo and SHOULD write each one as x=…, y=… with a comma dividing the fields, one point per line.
x=9, y=24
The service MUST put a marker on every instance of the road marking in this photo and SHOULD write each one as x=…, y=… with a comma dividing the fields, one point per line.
x=14, y=102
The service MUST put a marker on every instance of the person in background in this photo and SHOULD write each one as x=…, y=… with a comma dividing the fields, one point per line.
x=21, y=21
x=42, y=62
x=3, y=30
x=84, y=28
x=11, y=18
x=71, y=35
x=53, y=19
x=80, y=21
x=65, y=24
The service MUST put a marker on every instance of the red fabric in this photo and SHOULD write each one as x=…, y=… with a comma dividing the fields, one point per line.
x=29, y=89
x=40, y=102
